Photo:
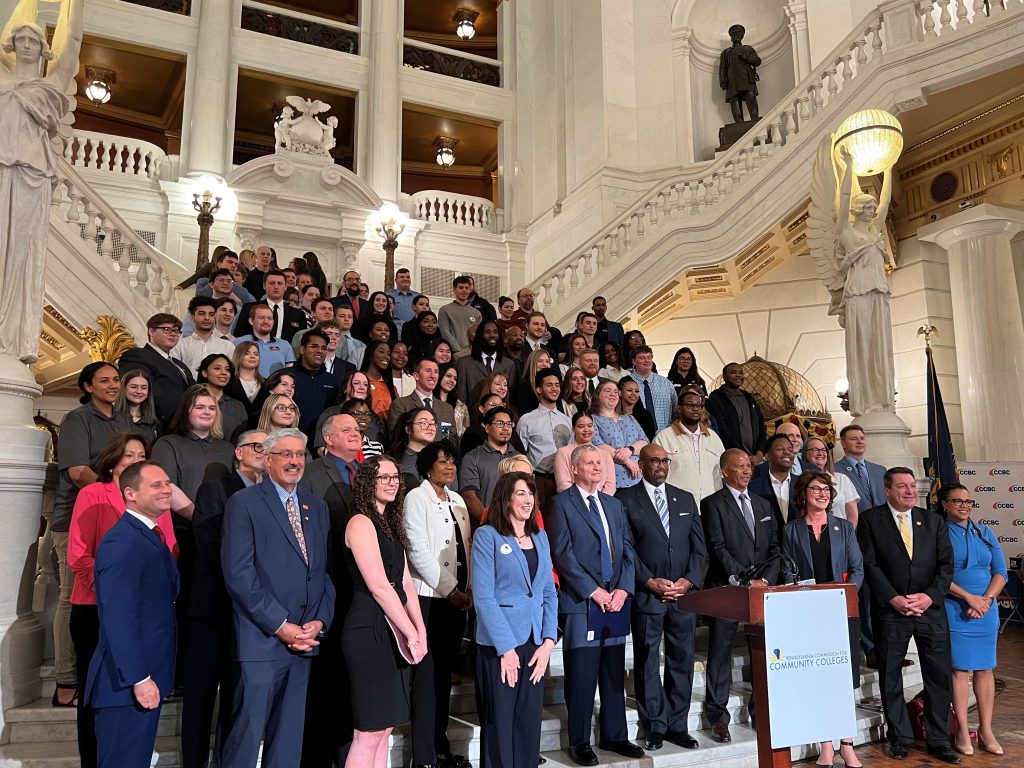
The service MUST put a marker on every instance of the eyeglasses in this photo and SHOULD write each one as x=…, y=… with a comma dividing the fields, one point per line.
x=819, y=490
x=389, y=479
x=816, y=450
x=257, y=447
x=357, y=415
x=961, y=502
x=424, y=424
x=168, y=329
x=285, y=408
x=288, y=455
x=501, y=424
x=659, y=462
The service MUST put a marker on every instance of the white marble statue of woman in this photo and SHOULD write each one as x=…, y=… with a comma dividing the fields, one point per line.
x=33, y=110
x=847, y=240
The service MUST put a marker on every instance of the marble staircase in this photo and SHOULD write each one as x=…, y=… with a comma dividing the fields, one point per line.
x=42, y=736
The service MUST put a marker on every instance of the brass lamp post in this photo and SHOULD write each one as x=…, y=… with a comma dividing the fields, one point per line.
x=205, y=220
x=391, y=224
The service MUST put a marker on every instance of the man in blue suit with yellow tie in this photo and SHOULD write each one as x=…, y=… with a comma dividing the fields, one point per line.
x=274, y=557
x=136, y=584
x=592, y=549
x=868, y=479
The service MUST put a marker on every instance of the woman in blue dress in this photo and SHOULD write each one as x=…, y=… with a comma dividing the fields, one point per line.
x=618, y=434
x=979, y=573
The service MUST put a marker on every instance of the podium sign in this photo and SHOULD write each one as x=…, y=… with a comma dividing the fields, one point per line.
x=807, y=655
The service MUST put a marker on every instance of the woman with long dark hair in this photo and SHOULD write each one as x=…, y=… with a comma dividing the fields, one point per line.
x=684, y=373
x=447, y=382
x=217, y=372
x=630, y=343
x=246, y=383
x=630, y=405
x=421, y=331
x=377, y=367
x=383, y=625
x=414, y=431
x=380, y=311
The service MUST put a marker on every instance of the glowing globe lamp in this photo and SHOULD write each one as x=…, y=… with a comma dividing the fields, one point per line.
x=874, y=139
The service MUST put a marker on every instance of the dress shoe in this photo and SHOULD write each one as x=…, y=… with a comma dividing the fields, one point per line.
x=624, y=748
x=654, y=741
x=583, y=755
x=541, y=759
x=897, y=750
x=453, y=761
x=681, y=739
x=945, y=754
x=720, y=733
x=992, y=747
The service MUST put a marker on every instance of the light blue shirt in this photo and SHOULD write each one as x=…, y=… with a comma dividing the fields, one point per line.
x=274, y=353
x=403, y=306
x=284, y=495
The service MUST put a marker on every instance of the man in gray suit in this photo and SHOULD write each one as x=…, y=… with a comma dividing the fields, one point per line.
x=425, y=374
x=867, y=478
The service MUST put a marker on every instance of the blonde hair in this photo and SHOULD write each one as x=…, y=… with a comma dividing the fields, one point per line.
x=267, y=411
x=506, y=464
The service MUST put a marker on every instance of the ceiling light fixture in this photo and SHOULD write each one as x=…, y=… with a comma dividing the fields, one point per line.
x=99, y=84
x=464, y=23
x=445, y=151
x=874, y=138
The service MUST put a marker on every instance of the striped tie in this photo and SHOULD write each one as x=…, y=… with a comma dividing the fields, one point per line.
x=662, y=507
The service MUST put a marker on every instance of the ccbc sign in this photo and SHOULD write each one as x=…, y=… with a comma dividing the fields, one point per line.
x=1002, y=505
x=984, y=521
x=967, y=473
x=999, y=472
x=1016, y=489
x=1017, y=523
x=1008, y=539
x=984, y=489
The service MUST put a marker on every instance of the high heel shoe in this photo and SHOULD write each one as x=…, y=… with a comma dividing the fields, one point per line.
x=56, y=702
x=992, y=749
x=967, y=750
x=848, y=743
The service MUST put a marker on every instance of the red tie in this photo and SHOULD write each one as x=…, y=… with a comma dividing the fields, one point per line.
x=160, y=534
x=355, y=308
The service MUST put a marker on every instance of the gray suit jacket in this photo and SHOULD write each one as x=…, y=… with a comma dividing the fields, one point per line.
x=872, y=493
x=443, y=414
x=842, y=539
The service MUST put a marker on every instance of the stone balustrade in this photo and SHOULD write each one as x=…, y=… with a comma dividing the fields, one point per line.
x=895, y=27
x=452, y=208
x=142, y=268
x=445, y=61
x=116, y=154
x=300, y=27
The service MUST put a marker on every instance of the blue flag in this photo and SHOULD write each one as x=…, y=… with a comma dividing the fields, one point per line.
x=941, y=462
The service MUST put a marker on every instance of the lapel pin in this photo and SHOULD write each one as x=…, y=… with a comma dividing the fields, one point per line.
x=918, y=522
x=305, y=507
x=835, y=528
x=673, y=498
x=307, y=520
x=505, y=549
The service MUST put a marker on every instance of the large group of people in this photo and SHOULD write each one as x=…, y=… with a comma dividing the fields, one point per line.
x=321, y=507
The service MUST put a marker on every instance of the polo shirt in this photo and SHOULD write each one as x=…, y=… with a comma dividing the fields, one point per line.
x=479, y=470
x=274, y=353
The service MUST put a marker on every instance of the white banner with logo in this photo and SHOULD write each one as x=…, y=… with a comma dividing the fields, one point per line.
x=997, y=488
x=810, y=683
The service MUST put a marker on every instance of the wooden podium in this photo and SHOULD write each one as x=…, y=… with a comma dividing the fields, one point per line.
x=746, y=604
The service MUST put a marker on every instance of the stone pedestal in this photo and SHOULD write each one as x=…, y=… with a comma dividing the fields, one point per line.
x=22, y=474
x=989, y=327
x=887, y=441
x=733, y=132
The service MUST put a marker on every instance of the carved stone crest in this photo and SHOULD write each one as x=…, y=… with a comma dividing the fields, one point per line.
x=305, y=132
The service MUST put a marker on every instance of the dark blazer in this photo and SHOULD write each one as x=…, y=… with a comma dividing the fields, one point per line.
x=731, y=549
x=842, y=539
x=728, y=423
x=209, y=599
x=442, y=413
x=168, y=382
x=761, y=484
x=679, y=555
x=264, y=572
x=888, y=569
x=316, y=391
x=872, y=492
x=576, y=553
x=472, y=373
x=136, y=585
x=294, y=320
x=609, y=330
x=364, y=308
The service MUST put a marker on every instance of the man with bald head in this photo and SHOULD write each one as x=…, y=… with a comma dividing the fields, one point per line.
x=670, y=555
x=740, y=533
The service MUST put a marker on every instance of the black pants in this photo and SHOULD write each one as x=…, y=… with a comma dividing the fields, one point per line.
x=85, y=634
x=588, y=670
x=432, y=679
x=327, y=729
x=207, y=665
x=663, y=706
x=510, y=717
x=867, y=637
x=892, y=636
x=718, y=672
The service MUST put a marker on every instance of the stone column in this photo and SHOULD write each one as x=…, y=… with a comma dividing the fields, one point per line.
x=796, y=12
x=989, y=327
x=205, y=124
x=385, y=105
x=22, y=474
x=683, y=92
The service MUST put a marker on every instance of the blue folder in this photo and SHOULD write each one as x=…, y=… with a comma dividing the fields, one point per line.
x=608, y=624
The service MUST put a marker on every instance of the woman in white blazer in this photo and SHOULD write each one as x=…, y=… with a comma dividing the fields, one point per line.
x=438, y=549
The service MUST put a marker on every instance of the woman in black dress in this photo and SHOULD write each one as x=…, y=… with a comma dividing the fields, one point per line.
x=375, y=557
x=824, y=548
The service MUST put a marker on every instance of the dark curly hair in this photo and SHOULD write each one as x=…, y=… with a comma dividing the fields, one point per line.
x=392, y=522
x=798, y=496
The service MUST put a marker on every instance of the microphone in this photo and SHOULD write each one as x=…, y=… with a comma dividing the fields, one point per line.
x=744, y=577
x=790, y=570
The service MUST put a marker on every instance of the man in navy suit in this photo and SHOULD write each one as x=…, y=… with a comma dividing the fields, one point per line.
x=592, y=549
x=774, y=478
x=740, y=532
x=274, y=557
x=670, y=556
x=868, y=479
x=136, y=584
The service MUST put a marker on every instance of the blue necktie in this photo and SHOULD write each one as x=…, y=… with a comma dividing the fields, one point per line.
x=662, y=507
x=649, y=399
x=862, y=473
x=606, y=553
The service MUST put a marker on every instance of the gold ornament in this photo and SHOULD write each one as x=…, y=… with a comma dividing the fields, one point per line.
x=111, y=341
